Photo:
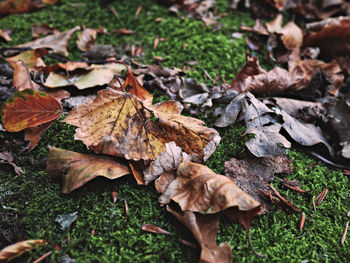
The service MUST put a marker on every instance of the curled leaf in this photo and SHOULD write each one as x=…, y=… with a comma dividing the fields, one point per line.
x=19, y=248
x=76, y=169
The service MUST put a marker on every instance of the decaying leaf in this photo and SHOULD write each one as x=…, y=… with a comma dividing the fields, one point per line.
x=42, y=29
x=29, y=108
x=198, y=189
x=154, y=229
x=204, y=229
x=119, y=124
x=6, y=157
x=21, y=77
x=19, y=248
x=66, y=220
x=57, y=42
x=34, y=134
x=87, y=39
x=76, y=169
x=87, y=77
x=251, y=175
x=15, y=6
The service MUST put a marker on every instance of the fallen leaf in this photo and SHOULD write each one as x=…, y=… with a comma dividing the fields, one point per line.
x=57, y=42
x=31, y=58
x=138, y=10
x=302, y=221
x=34, y=134
x=95, y=75
x=343, y=237
x=114, y=195
x=66, y=220
x=29, y=108
x=123, y=31
x=204, y=229
x=6, y=157
x=126, y=208
x=87, y=39
x=291, y=35
x=19, y=248
x=76, y=169
x=14, y=6
x=21, y=77
x=43, y=29
x=252, y=174
x=119, y=124
x=332, y=36
x=154, y=229
x=5, y=34
x=321, y=197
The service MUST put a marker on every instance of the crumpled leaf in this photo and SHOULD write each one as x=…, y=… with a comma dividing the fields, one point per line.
x=204, y=229
x=166, y=161
x=332, y=36
x=66, y=220
x=15, y=250
x=29, y=108
x=23, y=6
x=252, y=174
x=76, y=169
x=6, y=157
x=87, y=39
x=57, y=42
x=42, y=29
x=198, y=189
x=154, y=229
x=118, y=124
x=94, y=75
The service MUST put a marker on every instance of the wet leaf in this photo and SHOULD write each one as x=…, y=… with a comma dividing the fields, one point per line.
x=119, y=124
x=66, y=220
x=94, y=75
x=57, y=42
x=76, y=169
x=154, y=229
x=29, y=108
x=252, y=174
x=19, y=248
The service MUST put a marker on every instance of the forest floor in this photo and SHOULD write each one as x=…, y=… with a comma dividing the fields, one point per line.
x=30, y=203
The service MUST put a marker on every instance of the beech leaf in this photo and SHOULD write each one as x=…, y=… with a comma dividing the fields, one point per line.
x=29, y=108
x=81, y=168
x=19, y=248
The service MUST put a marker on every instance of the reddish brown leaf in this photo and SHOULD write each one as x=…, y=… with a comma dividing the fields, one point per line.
x=154, y=229
x=302, y=221
x=123, y=31
x=43, y=29
x=21, y=77
x=343, y=237
x=34, y=134
x=138, y=10
x=19, y=248
x=6, y=157
x=29, y=108
x=81, y=168
x=114, y=195
x=155, y=42
x=321, y=197
x=23, y=6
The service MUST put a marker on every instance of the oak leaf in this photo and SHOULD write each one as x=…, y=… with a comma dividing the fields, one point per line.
x=119, y=124
x=81, y=168
x=19, y=248
x=29, y=108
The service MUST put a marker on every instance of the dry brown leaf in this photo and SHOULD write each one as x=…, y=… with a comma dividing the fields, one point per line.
x=93, y=75
x=34, y=134
x=119, y=124
x=198, y=189
x=23, y=6
x=87, y=39
x=204, y=229
x=57, y=42
x=21, y=77
x=6, y=157
x=154, y=229
x=19, y=248
x=123, y=31
x=43, y=29
x=252, y=174
x=291, y=35
x=332, y=36
x=76, y=169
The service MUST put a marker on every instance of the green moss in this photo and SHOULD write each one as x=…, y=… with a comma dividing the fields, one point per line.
x=38, y=201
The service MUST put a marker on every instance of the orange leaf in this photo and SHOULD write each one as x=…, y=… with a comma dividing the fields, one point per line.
x=29, y=108
x=17, y=249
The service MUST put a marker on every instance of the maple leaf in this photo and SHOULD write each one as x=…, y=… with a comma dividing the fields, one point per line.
x=29, y=108
x=19, y=248
x=81, y=168
x=119, y=124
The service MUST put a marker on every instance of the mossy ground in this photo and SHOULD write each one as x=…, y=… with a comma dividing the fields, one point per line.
x=37, y=199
